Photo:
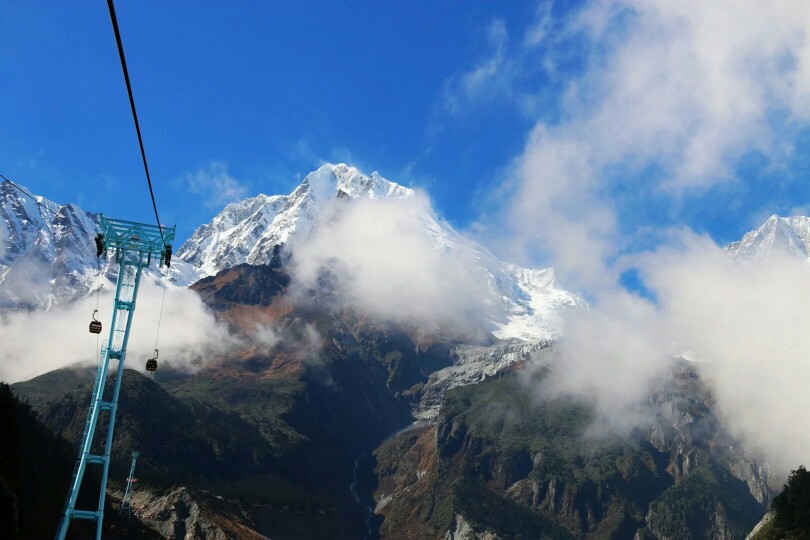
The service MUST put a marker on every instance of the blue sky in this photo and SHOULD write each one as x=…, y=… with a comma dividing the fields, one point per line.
x=270, y=88
x=437, y=95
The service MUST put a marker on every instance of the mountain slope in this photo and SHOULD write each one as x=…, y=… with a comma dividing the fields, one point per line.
x=502, y=462
x=292, y=429
x=35, y=469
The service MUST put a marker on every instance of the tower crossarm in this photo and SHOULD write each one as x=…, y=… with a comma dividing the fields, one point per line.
x=119, y=235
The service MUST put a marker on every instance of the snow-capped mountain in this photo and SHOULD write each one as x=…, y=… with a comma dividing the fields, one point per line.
x=47, y=251
x=48, y=254
x=247, y=232
x=790, y=235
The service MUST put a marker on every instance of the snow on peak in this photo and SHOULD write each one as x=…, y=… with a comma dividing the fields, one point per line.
x=247, y=231
x=789, y=235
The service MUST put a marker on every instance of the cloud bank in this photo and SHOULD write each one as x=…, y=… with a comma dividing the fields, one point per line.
x=189, y=334
x=745, y=326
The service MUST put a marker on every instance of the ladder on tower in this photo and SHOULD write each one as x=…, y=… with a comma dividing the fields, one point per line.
x=133, y=245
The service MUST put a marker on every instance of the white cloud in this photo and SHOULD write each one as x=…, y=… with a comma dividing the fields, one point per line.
x=265, y=335
x=189, y=334
x=686, y=88
x=387, y=266
x=492, y=75
x=747, y=325
x=483, y=74
x=216, y=185
x=610, y=357
x=540, y=28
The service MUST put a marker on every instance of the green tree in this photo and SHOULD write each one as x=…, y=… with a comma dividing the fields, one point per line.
x=792, y=506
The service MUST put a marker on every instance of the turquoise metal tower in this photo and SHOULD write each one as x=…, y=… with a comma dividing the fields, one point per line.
x=126, y=502
x=134, y=246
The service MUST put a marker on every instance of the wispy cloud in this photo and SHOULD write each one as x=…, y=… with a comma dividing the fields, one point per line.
x=31, y=162
x=508, y=68
x=744, y=325
x=216, y=185
x=302, y=151
x=489, y=77
x=541, y=27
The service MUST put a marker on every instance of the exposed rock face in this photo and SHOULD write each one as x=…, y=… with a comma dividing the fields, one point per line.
x=760, y=530
x=501, y=462
x=188, y=514
x=687, y=429
x=461, y=530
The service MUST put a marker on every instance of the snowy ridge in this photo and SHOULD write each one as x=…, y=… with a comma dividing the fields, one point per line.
x=48, y=255
x=247, y=231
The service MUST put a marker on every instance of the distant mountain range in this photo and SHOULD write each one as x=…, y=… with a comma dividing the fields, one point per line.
x=47, y=255
x=50, y=255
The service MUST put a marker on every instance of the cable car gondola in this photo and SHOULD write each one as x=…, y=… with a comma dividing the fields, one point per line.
x=95, y=324
x=151, y=364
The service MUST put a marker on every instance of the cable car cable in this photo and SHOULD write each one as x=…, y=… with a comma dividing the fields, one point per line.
x=160, y=316
x=132, y=106
x=25, y=192
x=98, y=290
x=147, y=399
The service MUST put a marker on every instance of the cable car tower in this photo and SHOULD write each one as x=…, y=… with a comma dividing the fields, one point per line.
x=134, y=246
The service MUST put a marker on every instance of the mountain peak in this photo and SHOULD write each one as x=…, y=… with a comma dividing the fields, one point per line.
x=788, y=235
x=248, y=230
x=328, y=179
